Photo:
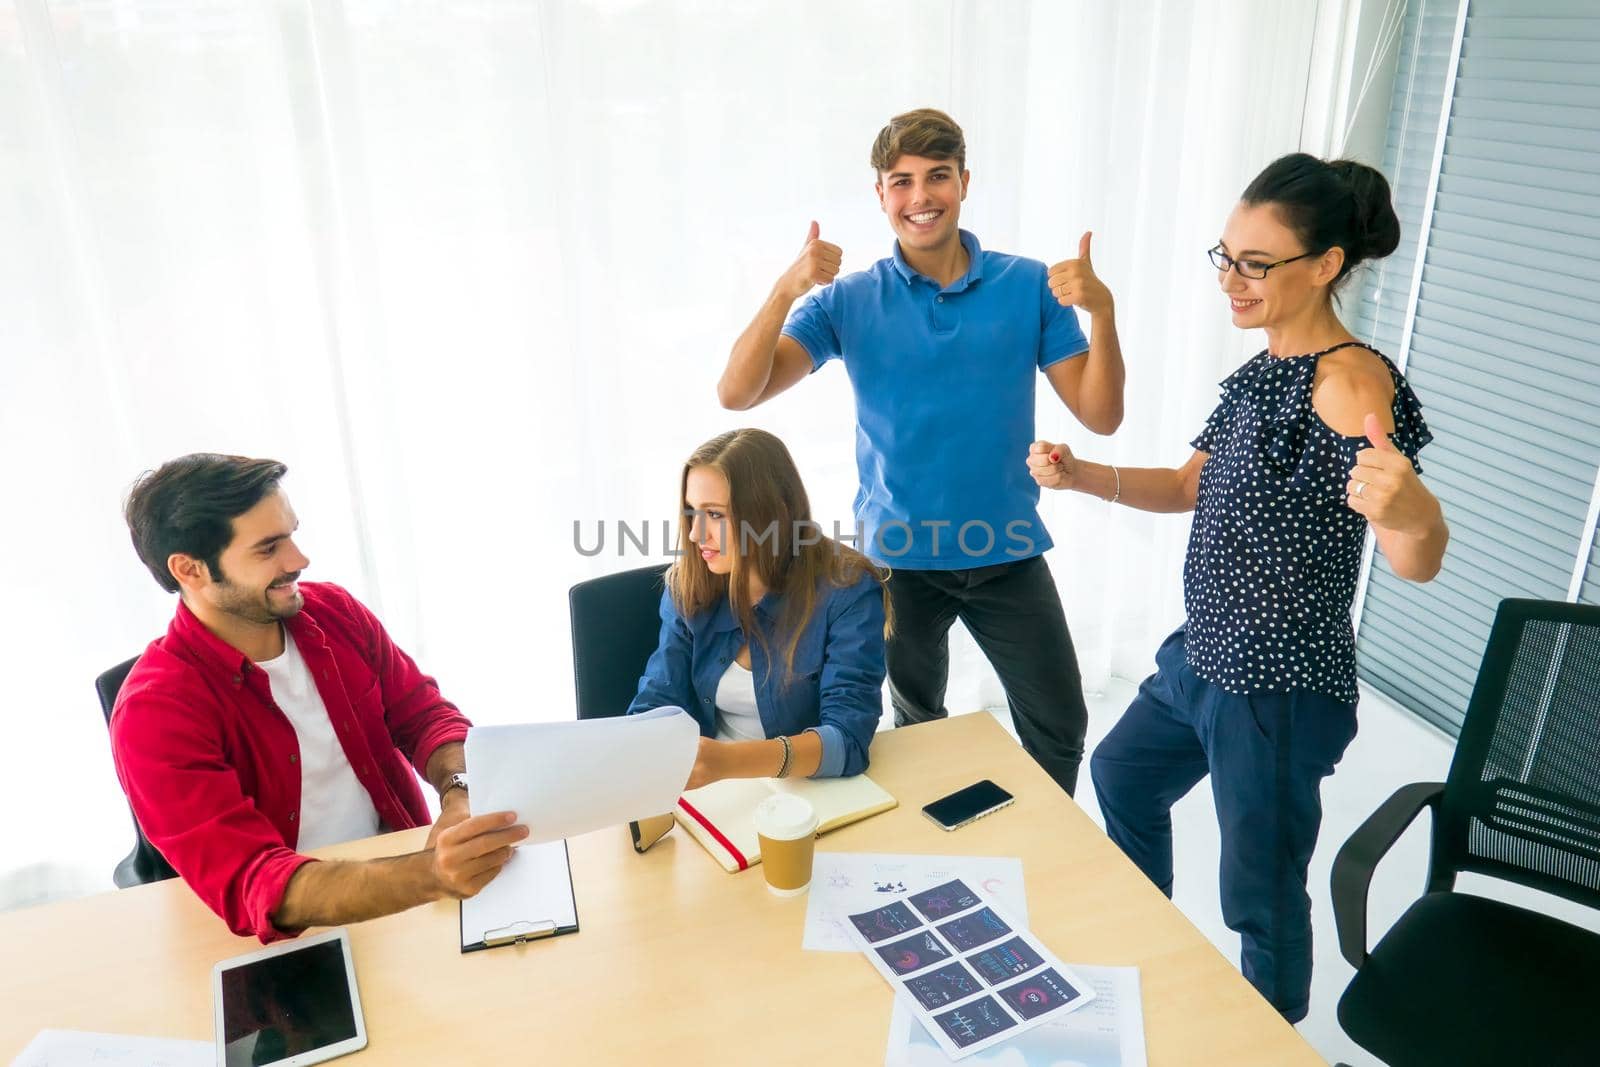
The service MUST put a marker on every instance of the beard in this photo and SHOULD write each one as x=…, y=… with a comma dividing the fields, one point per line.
x=258, y=606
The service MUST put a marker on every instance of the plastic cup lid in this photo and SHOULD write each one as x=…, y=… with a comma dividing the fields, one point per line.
x=783, y=816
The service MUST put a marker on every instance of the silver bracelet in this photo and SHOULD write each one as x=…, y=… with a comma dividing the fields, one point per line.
x=1116, y=496
x=783, y=771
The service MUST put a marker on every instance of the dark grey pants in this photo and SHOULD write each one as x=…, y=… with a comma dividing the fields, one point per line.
x=1014, y=613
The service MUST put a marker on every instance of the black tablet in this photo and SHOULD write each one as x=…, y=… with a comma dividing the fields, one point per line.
x=289, y=1005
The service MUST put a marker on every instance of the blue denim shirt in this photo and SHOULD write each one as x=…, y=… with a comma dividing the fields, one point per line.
x=836, y=688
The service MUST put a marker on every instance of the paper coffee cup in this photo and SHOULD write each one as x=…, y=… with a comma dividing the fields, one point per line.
x=787, y=828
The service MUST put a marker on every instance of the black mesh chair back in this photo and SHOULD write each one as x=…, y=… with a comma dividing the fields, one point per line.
x=616, y=624
x=1522, y=805
x=144, y=864
x=1523, y=797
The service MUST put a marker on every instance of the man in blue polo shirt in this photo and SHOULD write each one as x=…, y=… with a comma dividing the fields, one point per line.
x=943, y=342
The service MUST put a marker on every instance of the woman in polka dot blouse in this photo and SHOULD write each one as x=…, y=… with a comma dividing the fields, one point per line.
x=1315, y=440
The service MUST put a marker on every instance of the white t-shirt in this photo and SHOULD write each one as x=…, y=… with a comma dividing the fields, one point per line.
x=334, y=805
x=737, y=717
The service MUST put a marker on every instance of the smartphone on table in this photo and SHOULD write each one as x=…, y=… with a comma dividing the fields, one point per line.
x=965, y=805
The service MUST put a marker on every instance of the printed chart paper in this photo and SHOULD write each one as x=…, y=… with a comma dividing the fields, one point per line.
x=843, y=883
x=1108, y=1033
x=971, y=972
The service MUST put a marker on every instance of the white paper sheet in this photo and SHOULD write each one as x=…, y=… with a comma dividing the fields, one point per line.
x=78, y=1048
x=568, y=778
x=532, y=894
x=1109, y=1032
x=843, y=883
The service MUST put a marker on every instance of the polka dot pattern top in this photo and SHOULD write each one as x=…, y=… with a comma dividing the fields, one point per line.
x=1274, y=551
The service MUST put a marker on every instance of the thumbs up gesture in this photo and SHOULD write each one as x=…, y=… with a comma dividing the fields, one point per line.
x=1073, y=282
x=818, y=264
x=1384, y=486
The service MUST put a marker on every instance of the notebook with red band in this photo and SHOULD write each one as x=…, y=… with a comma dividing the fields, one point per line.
x=721, y=816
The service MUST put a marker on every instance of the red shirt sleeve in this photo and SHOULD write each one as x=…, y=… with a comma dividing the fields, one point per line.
x=191, y=806
x=420, y=719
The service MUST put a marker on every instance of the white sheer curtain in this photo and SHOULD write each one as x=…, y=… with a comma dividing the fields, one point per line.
x=1163, y=112
x=471, y=269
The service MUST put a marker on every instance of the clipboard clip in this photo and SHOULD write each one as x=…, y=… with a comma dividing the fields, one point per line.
x=518, y=932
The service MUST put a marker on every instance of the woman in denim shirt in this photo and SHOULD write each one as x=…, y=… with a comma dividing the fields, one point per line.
x=771, y=634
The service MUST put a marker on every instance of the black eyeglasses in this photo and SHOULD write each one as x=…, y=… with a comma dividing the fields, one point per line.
x=1249, y=268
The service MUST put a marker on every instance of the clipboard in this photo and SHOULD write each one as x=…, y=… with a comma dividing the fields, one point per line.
x=530, y=899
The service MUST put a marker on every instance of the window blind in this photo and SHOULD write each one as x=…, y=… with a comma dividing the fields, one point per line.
x=1503, y=349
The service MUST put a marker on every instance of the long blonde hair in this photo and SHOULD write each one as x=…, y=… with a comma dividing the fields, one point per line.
x=769, y=517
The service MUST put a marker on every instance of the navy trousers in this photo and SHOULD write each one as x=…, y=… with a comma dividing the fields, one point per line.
x=1267, y=754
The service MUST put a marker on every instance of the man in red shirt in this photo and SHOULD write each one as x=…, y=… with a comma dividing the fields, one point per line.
x=276, y=717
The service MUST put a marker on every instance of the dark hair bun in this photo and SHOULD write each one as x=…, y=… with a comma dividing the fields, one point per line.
x=1375, y=219
x=1338, y=204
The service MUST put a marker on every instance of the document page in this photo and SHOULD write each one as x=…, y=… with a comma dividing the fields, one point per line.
x=568, y=778
x=1107, y=1033
x=972, y=973
x=78, y=1048
x=843, y=883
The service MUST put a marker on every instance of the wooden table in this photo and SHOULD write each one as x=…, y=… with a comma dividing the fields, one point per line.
x=677, y=962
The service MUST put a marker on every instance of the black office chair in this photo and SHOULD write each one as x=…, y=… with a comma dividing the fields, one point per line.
x=1462, y=979
x=615, y=626
x=144, y=863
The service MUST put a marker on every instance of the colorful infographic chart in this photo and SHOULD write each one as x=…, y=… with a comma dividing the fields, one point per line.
x=975, y=974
